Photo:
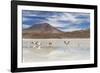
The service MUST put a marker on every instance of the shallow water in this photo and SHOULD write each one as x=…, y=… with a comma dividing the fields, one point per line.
x=55, y=49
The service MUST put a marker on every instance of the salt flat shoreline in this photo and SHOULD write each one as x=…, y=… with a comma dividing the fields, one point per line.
x=57, y=42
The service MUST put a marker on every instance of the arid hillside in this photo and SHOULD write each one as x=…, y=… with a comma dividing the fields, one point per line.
x=47, y=31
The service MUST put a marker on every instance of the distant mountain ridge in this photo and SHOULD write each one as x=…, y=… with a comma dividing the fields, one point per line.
x=45, y=30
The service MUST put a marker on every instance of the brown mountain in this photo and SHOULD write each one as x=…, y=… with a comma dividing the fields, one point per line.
x=42, y=28
x=45, y=30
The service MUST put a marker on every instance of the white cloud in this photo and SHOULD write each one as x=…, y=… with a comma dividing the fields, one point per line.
x=25, y=19
x=70, y=29
x=54, y=20
x=70, y=17
x=26, y=26
x=30, y=15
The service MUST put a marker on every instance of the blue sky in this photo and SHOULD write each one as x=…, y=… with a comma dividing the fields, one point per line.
x=64, y=21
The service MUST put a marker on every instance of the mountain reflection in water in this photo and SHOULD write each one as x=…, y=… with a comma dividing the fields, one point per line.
x=59, y=50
